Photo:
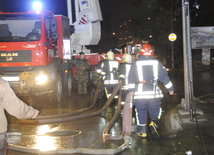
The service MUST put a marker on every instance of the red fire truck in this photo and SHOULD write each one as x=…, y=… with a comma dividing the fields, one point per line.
x=36, y=47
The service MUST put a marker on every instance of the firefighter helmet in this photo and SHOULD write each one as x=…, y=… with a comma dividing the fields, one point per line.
x=146, y=50
x=127, y=58
x=110, y=55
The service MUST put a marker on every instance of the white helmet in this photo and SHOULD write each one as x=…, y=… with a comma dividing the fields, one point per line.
x=127, y=58
x=110, y=55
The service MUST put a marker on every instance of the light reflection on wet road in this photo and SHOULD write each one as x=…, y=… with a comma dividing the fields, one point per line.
x=87, y=132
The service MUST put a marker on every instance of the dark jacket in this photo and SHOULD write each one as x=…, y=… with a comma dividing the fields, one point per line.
x=110, y=72
x=82, y=68
x=144, y=75
x=100, y=65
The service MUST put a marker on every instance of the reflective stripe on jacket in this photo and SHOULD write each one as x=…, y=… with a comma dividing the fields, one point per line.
x=143, y=77
x=123, y=70
x=110, y=72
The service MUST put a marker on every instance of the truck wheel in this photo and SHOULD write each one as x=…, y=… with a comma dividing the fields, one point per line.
x=56, y=95
x=69, y=84
x=74, y=83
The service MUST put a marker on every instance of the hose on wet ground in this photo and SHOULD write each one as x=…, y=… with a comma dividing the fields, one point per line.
x=195, y=118
x=64, y=119
x=126, y=119
x=95, y=97
x=200, y=97
x=122, y=147
x=108, y=127
x=205, y=96
x=199, y=130
x=119, y=149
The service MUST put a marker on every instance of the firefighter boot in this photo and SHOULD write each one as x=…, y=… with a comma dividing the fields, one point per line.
x=153, y=126
x=141, y=131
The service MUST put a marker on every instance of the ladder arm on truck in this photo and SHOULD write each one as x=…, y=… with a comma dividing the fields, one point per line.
x=85, y=17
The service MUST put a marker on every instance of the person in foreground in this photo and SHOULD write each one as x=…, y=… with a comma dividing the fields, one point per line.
x=144, y=75
x=14, y=106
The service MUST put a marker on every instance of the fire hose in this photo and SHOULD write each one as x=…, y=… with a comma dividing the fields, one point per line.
x=126, y=138
x=121, y=148
x=77, y=111
x=126, y=121
x=106, y=134
x=55, y=120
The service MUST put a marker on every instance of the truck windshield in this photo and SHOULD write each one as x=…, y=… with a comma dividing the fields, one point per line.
x=20, y=27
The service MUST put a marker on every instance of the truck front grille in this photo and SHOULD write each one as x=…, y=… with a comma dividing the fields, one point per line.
x=15, y=56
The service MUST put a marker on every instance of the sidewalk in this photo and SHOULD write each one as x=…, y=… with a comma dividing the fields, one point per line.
x=200, y=125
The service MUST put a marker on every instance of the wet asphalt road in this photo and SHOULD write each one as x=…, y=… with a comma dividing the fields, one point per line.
x=87, y=132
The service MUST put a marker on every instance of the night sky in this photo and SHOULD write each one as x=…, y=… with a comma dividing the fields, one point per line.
x=115, y=9
x=59, y=6
x=56, y=6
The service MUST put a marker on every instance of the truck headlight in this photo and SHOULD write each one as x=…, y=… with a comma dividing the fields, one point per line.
x=41, y=79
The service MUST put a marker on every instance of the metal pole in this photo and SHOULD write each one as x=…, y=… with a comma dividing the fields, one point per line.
x=172, y=56
x=189, y=60
x=172, y=20
x=187, y=55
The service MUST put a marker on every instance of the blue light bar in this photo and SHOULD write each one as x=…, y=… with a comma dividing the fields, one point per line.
x=37, y=6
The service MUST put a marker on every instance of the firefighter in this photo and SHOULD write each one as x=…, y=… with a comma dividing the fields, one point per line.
x=97, y=77
x=144, y=74
x=110, y=73
x=100, y=64
x=123, y=71
x=97, y=72
x=82, y=73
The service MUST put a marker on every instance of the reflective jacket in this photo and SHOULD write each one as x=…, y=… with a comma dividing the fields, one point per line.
x=100, y=65
x=123, y=71
x=143, y=77
x=110, y=72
